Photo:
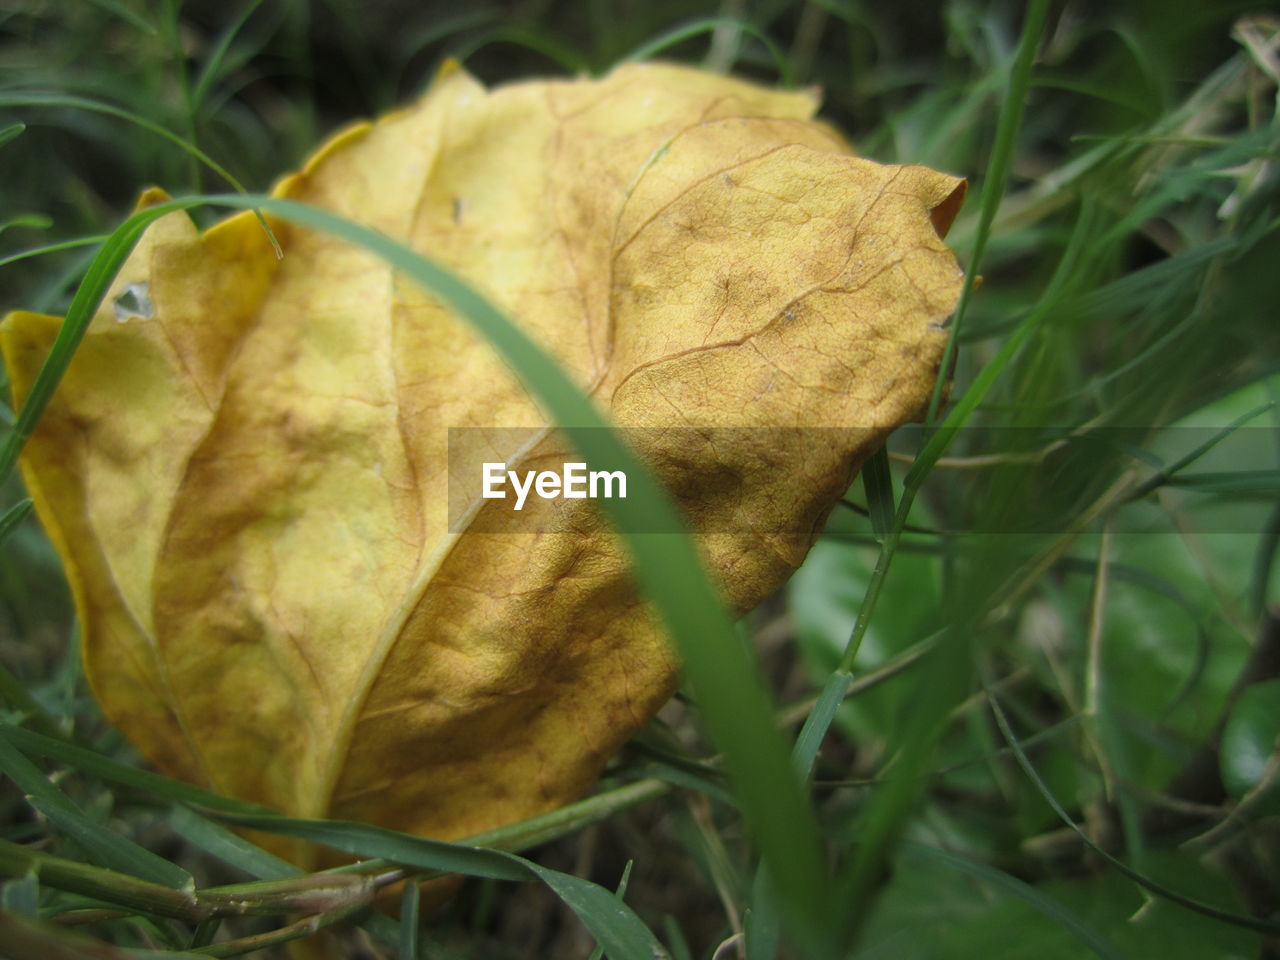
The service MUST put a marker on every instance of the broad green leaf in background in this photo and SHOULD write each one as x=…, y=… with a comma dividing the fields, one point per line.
x=1250, y=743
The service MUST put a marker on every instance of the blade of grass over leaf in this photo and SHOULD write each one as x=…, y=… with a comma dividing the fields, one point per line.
x=651, y=48
x=724, y=679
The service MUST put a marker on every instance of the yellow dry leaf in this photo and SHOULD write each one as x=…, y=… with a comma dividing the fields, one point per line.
x=246, y=467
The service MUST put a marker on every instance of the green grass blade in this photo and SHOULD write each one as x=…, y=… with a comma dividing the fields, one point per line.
x=51, y=248
x=98, y=883
x=213, y=65
x=818, y=722
x=32, y=221
x=231, y=848
x=109, y=849
x=1169, y=474
x=620, y=892
x=694, y=28
x=11, y=132
x=877, y=481
x=613, y=924
x=112, y=771
x=997, y=174
x=15, y=695
x=1265, y=482
x=1253, y=923
x=516, y=836
x=410, y=900
x=540, y=42
x=83, y=306
x=41, y=98
x=123, y=11
x=12, y=517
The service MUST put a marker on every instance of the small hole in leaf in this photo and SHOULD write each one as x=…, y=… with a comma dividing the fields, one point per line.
x=135, y=301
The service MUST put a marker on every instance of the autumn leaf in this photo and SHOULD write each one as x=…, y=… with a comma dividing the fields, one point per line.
x=284, y=593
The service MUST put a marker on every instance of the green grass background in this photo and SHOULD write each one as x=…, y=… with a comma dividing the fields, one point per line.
x=1054, y=742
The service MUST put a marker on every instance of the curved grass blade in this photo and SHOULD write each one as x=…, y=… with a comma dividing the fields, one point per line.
x=538, y=41
x=42, y=98
x=694, y=28
x=213, y=64
x=32, y=221
x=1169, y=474
x=51, y=248
x=83, y=305
x=1239, y=920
